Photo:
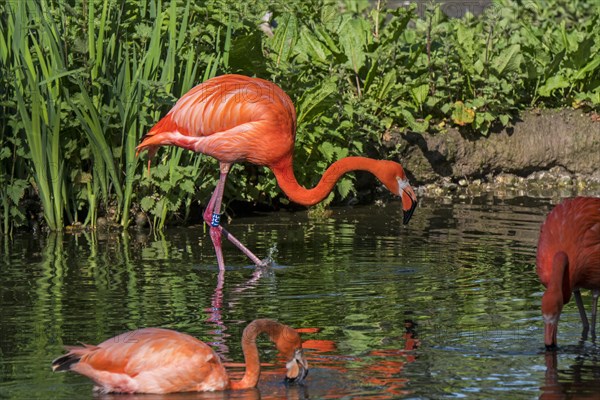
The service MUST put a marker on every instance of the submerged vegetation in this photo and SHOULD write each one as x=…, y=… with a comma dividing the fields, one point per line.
x=80, y=84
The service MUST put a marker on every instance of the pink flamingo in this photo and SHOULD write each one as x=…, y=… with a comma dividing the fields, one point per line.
x=235, y=118
x=154, y=360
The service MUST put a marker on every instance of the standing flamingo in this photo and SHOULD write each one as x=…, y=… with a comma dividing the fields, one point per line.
x=154, y=360
x=235, y=118
x=568, y=259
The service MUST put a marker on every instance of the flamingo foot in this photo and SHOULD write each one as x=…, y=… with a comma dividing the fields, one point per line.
x=257, y=261
x=216, y=234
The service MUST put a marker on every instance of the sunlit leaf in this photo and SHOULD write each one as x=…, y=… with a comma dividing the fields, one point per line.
x=462, y=115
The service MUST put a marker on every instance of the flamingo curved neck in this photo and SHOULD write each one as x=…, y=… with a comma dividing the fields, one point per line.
x=560, y=282
x=284, y=173
x=251, y=358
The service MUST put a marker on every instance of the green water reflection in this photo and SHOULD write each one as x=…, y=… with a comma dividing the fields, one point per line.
x=463, y=273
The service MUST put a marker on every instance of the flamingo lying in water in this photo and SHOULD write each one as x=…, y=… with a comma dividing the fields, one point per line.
x=568, y=259
x=235, y=118
x=154, y=360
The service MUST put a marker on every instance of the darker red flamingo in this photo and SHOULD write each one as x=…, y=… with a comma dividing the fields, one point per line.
x=234, y=118
x=568, y=259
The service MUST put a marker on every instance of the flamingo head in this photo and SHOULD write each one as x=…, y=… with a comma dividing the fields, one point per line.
x=289, y=345
x=297, y=368
x=557, y=294
x=395, y=180
x=551, y=309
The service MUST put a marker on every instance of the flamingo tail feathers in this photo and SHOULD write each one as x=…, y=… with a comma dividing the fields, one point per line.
x=64, y=362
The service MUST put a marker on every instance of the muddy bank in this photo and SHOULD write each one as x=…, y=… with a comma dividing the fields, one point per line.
x=545, y=151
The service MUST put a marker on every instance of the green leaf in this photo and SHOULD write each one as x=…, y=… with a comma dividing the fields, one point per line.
x=589, y=67
x=553, y=83
x=389, y=80
x=314, y=102
x=419, y=94
x=16, y=190
x=188, y=186
x=509, y=60
x=478, y=66
x=370, y=76
x=147, y=203
x=344, y=186
x=353, y=38
x=286, y=35
x=413, y=123
x=313, y=48
x=326, y=38
x=327, y=150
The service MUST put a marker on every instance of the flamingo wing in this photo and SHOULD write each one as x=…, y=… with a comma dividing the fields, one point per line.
x=573, y=227
x=231, y=118
x=152, y=360
x=588, y=251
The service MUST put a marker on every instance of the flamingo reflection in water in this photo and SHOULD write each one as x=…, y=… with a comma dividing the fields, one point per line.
x=580, y=381
x=393, y=362
x=214, y=312
x=342, y=376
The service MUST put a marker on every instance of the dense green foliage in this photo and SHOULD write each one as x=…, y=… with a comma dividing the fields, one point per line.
x=81, y=82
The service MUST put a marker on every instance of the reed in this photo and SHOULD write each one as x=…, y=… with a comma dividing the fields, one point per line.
x=86, y=82
x=38, y=66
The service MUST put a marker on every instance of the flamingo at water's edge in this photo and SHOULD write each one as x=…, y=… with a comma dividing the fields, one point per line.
x=568, y=259
x=235, y=118
x=154, y=360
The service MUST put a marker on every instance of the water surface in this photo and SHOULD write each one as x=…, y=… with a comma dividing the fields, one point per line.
x=445, y=307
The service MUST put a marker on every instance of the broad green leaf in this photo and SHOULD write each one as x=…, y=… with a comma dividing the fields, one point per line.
x=553, y=83
x=16, y=190
x=420, y=93
x=284, y=40
x=313, y=48
x=326, y=39
x=344, y=187
x=413, y=123
x=509, y=60
x=370, y=76
x=327, y=150
x=188, y=186
x=353, y=38
x=389, y=80
x=314, y=102
x=589, y=67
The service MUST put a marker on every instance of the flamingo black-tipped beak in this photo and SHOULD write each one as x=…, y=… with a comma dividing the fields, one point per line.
x=409, y=199
x=298, y=379
x=408, y=213
x=550, y=331
x=409, y=203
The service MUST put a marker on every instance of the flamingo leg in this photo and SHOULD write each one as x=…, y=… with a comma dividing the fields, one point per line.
x=212, y=216
x=584, y=320
x=595, y=295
